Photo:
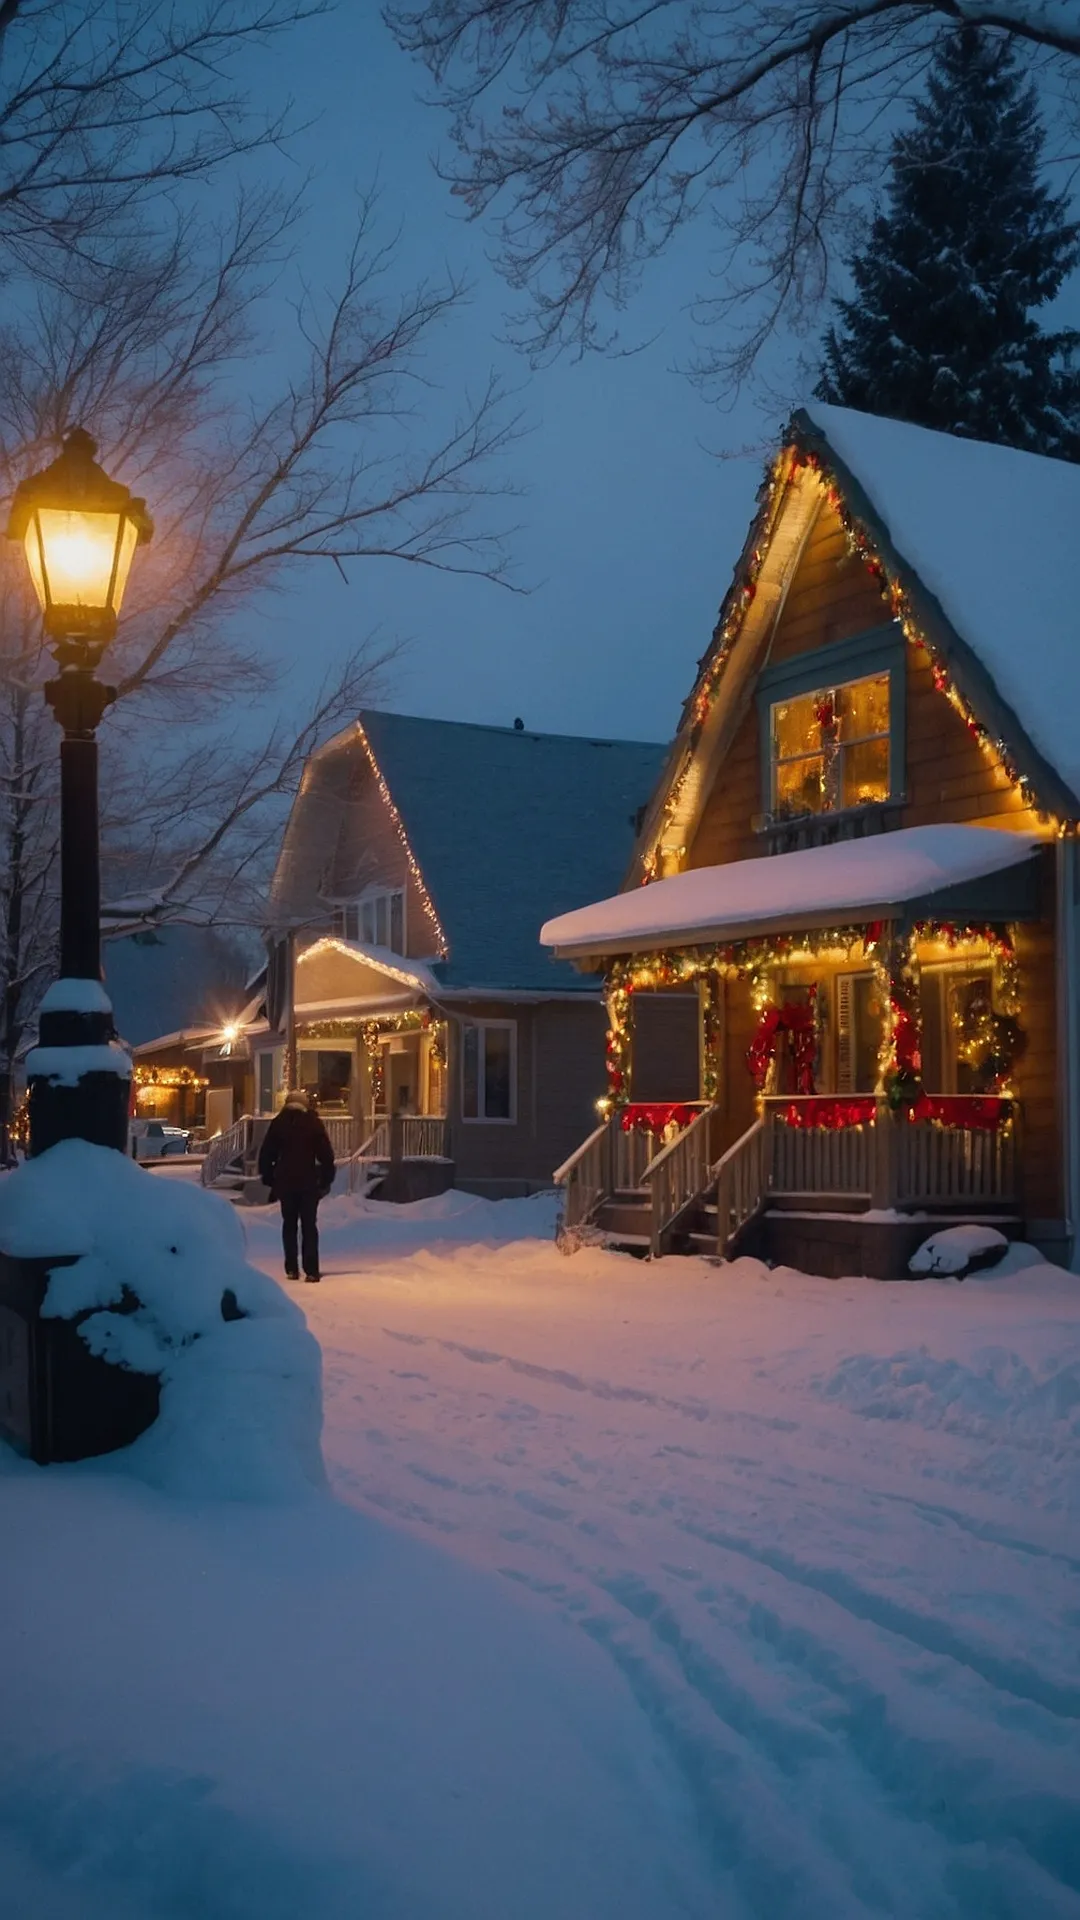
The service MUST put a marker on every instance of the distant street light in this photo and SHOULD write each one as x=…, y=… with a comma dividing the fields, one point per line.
x=80, y=530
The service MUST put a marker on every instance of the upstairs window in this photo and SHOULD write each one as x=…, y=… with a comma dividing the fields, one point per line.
x=377, y=919
x=830, y=748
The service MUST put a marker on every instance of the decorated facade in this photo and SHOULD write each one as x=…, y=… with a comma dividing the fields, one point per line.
x=419, y=860
x=857, y=874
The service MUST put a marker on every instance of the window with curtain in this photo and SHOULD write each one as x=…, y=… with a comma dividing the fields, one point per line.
x=830, y=748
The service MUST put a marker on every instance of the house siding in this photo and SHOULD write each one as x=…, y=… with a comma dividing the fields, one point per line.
x=560, y=1076
x=369, y=852
x=947, y=777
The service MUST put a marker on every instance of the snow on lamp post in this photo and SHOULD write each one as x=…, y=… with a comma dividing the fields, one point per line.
x=80, y=531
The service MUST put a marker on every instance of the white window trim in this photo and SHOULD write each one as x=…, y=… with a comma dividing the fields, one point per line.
x=371, y=895
x=484, y=1119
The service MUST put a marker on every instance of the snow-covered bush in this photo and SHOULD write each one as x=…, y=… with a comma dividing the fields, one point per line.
x=159, y=1271
x=958, y=1250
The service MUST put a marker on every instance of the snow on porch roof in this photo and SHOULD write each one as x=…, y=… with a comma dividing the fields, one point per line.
x=855, y=879
x=411, y=974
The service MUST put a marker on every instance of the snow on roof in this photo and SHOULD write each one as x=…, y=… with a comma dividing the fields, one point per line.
x=858, y=879
x=407, y=973
x=993, y=535
x=509, y=827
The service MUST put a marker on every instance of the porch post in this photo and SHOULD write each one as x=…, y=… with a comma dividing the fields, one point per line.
x=292, y=1063
x=900, y=1059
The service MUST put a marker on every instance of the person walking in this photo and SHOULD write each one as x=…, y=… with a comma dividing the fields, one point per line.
x=296, y=1162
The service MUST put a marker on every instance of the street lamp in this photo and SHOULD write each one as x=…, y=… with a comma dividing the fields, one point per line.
x=80, y=530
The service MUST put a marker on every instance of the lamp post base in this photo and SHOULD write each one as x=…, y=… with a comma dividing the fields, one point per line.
x=78, y=1076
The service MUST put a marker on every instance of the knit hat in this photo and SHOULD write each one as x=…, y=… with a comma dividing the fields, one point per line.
x=296, y=1099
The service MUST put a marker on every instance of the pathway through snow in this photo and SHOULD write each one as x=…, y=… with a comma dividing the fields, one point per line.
x=827, y=1531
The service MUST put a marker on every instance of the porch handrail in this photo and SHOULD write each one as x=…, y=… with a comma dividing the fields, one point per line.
x=226, y=1148
x=742, y=1180
x=586, y=1178
x=562, y=1174
x=676, y=1177
x=375, y=1148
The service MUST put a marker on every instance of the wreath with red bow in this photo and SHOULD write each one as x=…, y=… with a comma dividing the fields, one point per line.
x=798, y=1021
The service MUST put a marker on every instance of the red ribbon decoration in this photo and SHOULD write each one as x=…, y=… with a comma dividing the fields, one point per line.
x=796, y=1019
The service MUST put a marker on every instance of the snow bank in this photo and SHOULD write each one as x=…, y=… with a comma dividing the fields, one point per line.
x=352, y=1230
x=240, y=1374
x=955, y=1249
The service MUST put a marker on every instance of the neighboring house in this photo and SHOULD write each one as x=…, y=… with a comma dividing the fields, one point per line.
x=185, y=1003
x=419, y=861
x=850, y=988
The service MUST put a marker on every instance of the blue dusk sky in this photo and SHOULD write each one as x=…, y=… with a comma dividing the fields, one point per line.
x=636, y=493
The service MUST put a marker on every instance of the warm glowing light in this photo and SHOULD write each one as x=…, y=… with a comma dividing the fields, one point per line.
x=79, y=530
x=80, y=559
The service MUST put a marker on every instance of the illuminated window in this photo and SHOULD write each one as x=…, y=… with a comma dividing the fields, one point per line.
x=830, y=748
x=489, y=1070
x=377, y=919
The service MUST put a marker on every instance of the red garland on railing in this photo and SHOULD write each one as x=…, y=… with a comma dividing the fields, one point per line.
x=986, y=1112
x=800, y=1023
x=829, y=1112
x=656, y=1116
x=983, y=1112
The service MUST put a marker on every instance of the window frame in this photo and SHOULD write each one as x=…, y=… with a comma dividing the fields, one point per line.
x=865, y=656
x=373, y=897
x=481, y=1119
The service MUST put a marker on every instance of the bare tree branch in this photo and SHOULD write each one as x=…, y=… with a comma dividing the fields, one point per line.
x=594, y=129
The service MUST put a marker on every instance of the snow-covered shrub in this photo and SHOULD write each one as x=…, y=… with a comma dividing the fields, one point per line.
x=160, y=1273
x=958, y=1250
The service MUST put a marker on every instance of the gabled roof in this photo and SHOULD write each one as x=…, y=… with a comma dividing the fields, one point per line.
x=974, y=547
x=994, y=536
x=506, y=827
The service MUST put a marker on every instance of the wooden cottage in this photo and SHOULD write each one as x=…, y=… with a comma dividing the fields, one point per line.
x=843, y=976
x=419, y=860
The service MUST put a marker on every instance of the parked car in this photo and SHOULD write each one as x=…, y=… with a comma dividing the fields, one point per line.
x=156, y=1139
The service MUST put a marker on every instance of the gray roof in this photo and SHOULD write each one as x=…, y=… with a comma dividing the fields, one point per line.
x=509, y=829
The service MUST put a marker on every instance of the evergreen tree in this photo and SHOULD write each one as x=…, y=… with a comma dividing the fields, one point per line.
x=941, y=330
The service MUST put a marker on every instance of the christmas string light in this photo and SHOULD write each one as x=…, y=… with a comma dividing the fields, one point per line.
x=861, y=544
x=893, y=954
x=426, y=902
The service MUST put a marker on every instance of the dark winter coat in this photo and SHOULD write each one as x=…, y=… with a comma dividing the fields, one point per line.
x=296, y=1155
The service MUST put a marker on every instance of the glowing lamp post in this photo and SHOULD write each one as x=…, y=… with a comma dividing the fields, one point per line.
x=80, y=531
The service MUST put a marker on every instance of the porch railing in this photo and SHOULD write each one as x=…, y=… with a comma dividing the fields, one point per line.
x=345, y=1133
x=742, y=1180
x=803, y=1158
x=676, y=1177
x=424, y=1136
x=586, y=1178
x=891, y=1159
x=954, y=1166
x=228, y=1150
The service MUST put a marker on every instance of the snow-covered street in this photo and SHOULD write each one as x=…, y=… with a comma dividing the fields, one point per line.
x=828, y=1533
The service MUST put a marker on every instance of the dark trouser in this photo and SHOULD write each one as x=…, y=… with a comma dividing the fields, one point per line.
x=300, y=1209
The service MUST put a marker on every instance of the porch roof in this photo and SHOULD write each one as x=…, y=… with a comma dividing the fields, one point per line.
x=852, y=880
x=379, y=979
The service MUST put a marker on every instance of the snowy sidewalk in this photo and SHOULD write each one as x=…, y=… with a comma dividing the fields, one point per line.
x=828, y=1533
